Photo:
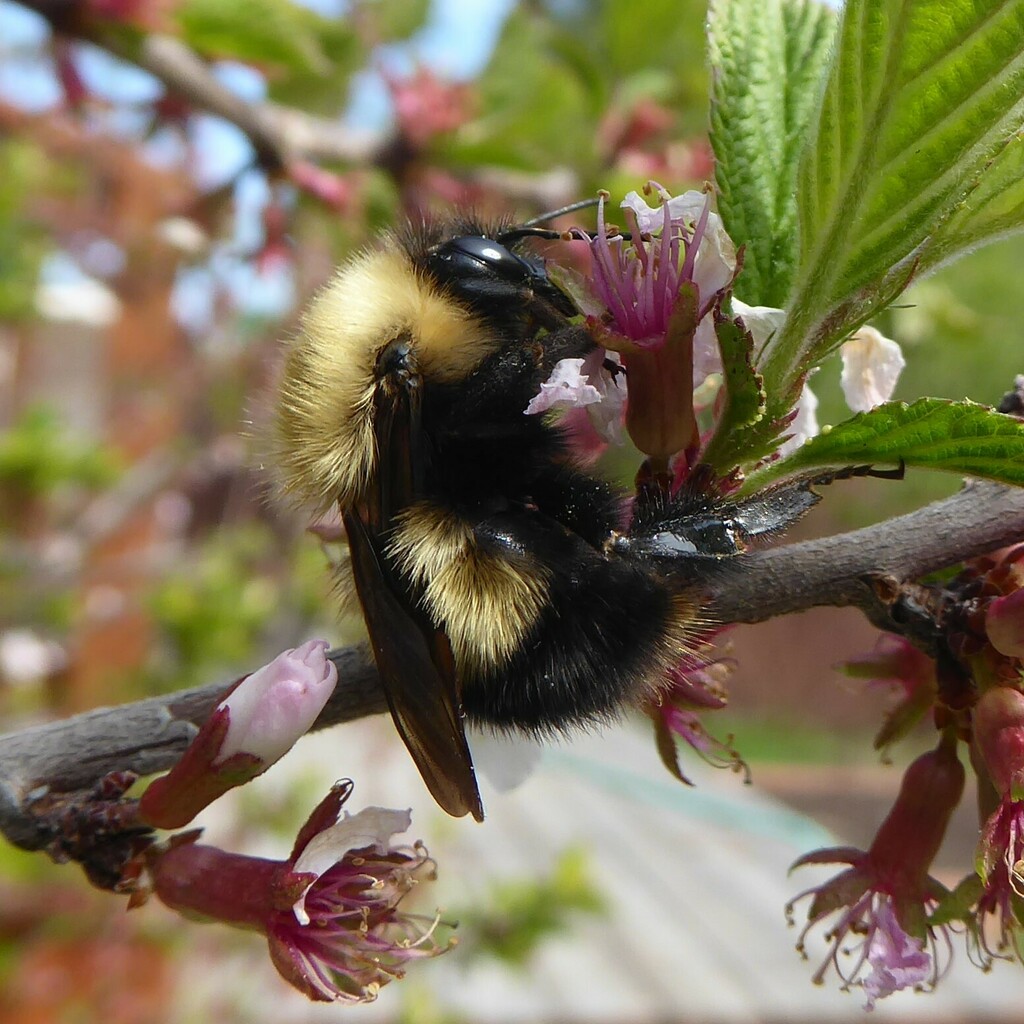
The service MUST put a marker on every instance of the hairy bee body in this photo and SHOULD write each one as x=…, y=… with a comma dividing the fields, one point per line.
x=503, y=546
x=497, y=579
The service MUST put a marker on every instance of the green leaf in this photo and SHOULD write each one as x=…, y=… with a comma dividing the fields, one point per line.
x=395, y=19
x=275, y=33
x=744, y=398
x=767, y=59
x=958, y=437
x=992, y=210
x=956, y=905
x=536, y=111
x=921, y=97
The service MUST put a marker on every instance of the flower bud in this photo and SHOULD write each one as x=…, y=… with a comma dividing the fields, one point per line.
x=278, y=703
x=255, y=725
x=909, y=838
x=1004, y=624
x=998, y=724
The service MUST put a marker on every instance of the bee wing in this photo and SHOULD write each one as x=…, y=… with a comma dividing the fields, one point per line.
x=418, y=674
x=414, y=657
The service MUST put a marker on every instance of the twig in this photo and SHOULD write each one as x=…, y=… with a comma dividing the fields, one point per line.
x=283, y=135
x=145, y=737
x=848, y=569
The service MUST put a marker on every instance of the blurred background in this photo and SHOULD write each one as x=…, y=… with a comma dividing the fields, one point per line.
x=152, y=256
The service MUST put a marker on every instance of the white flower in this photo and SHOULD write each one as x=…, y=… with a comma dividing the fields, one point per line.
x=764, y=324
x=871, y=368
x=586, y=383
x=805, y=424
x=27, y=658
x=84, y=301
x=270, y=709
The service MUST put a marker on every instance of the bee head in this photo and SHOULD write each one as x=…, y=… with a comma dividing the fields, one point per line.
x=490, y=277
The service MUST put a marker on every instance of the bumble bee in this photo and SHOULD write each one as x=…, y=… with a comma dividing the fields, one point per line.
x=494, y=574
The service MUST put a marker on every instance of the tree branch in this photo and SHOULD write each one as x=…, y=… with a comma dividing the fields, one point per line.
x=282, y=135
x=855, y=569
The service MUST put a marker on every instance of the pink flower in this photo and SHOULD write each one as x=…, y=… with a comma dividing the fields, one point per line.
x=695, y=686
x=567, y=385
x=333, y=190
x=426, y=106
x=660, y=290
x=1000, y=866
x=998, y=732
x=679, y=246
x=330, y=912
x=879, y=907
x=998, y=737
x=897, y=960
x=255, y=725
x=898, y=663
x=587, y=384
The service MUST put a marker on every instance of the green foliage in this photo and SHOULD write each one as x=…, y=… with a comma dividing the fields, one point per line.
x=959, y=437
x=338, y=46
x=272, y=34
x=554, y=78
x=394, y=19
x=22, y=244
x=920, y=100
x=767, y=60
x=956, y=905
x=38, y=455
x=217, y=611
x=240, y=593
x=536, y=110
x=518, y=916
x=661, y=37
x=993, y=208
x=741, y=417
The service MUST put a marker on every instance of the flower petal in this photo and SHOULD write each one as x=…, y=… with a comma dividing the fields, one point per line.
x=897, y=960
x=805, y=423
x=270, y=709
x=871, y=368
x=506, y=761
x=567, y=385
x=763, y=322
x=370, y=827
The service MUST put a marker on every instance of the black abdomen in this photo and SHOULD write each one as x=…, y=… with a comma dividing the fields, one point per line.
x=605, y=638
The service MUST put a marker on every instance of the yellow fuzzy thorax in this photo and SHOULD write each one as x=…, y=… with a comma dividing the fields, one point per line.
x=325, y=441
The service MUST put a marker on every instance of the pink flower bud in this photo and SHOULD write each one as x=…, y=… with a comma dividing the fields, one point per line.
x=909, y=838
x=1004, y=624
x=255, y=725
x=278, y=703
x=998, y=724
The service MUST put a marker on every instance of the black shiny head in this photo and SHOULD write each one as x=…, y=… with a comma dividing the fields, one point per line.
x=485, y=273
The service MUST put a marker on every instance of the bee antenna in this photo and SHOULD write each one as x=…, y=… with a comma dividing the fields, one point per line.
x=529, y=228
x=514, y=234
x=582, y=204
